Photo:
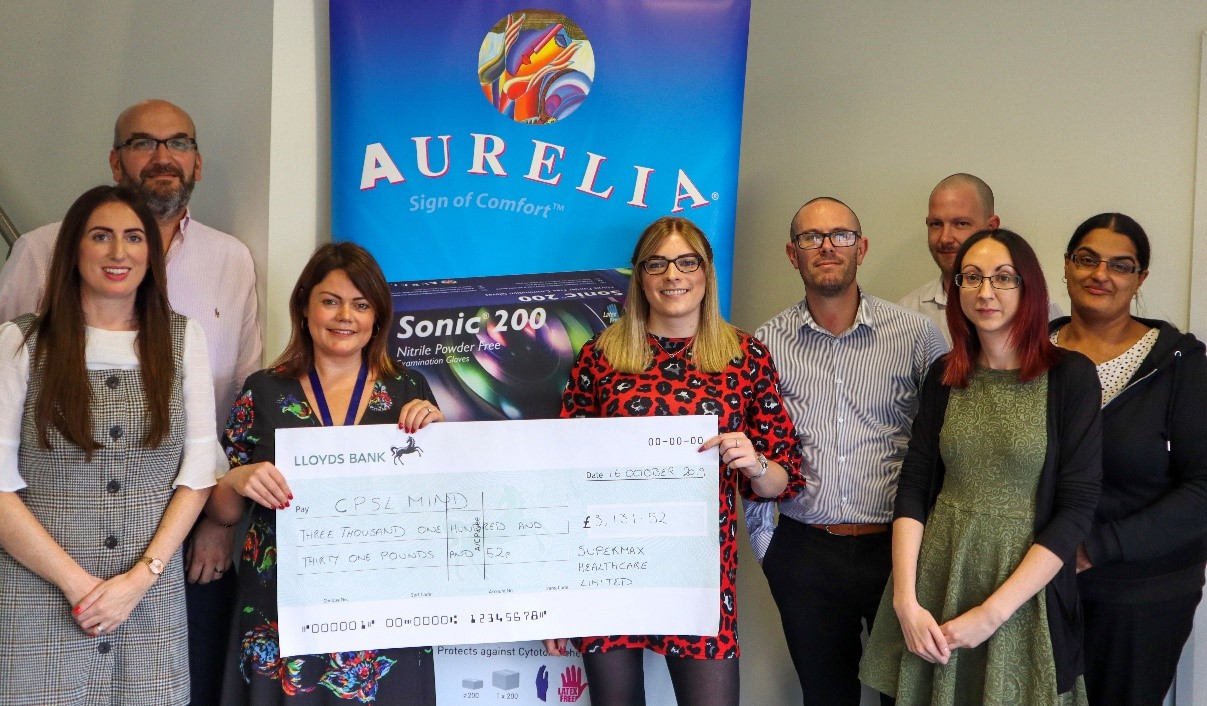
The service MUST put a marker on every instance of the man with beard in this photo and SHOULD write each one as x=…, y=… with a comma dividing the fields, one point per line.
x=211, y=279
x=850, y=368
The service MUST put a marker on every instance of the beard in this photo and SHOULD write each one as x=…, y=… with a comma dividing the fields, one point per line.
x=164, y=202
x=946, y=261
x=829, y=284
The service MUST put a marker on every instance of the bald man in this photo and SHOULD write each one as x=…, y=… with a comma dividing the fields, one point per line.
x=959, y=206
x=212, y=280
x=850, y=369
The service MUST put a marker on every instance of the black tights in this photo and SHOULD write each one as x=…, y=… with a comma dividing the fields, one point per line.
x=617, y=678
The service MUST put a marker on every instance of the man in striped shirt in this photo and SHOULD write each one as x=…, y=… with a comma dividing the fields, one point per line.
x=850, y=368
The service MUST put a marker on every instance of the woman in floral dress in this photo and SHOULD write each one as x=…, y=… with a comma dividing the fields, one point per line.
x=334, y=369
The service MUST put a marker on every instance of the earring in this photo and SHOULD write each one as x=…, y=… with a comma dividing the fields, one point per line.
x=1064, y=279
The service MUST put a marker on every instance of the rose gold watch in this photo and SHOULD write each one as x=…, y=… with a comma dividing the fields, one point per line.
x=155, y=566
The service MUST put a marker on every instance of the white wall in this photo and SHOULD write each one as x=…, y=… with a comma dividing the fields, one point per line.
x=300, y=184
x=1066, y=109
x=70, y=66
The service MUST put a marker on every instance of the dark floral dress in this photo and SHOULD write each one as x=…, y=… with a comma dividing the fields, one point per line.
x=746, y=397
x=256, y=673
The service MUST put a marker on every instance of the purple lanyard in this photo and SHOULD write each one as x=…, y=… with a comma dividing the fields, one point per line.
x=353, y=404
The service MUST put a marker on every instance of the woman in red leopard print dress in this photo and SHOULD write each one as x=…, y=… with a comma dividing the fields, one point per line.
x=670, y=354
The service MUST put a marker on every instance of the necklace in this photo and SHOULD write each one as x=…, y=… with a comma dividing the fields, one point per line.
x=674, y=352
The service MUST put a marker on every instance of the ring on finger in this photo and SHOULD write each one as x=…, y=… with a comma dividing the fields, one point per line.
x=100, y=629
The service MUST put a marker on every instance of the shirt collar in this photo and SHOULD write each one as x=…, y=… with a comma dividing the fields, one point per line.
x=936, y=293
x=865, y=315
x=185, y=223
x=178, y=242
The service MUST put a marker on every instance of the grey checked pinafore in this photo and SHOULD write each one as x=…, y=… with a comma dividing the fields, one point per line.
x=103, y=513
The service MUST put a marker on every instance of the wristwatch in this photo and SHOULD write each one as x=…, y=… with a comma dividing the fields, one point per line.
x=763, y=470
x=155, y=566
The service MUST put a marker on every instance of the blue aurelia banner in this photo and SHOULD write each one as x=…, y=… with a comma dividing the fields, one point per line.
x=486, y=138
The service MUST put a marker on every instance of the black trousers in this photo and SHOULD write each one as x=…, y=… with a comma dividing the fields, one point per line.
x=1132, y=649
x=209, y=609
x=826, y=588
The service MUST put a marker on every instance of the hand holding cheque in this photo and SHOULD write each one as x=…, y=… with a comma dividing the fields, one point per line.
x=497, y=531
x=264, y=483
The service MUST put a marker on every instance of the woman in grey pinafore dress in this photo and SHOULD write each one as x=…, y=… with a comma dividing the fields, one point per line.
x=105, y=462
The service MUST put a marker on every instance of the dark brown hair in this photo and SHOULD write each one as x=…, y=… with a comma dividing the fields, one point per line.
x=356, y=262
x=65, y=400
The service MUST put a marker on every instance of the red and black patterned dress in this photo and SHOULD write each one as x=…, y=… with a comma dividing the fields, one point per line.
x=746, y=398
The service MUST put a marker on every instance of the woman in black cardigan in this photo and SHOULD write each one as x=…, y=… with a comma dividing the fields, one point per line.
x=996, y=492
x=1141, y=566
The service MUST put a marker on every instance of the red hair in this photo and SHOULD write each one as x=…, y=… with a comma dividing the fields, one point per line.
x=1028, y=331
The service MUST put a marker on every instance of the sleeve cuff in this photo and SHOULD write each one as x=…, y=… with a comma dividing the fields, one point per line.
x=198, y=466
x=1101, y=546
x=759, y=542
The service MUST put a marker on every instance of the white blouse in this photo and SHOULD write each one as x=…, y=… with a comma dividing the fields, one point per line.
x=1115, y=373
x=202, y=459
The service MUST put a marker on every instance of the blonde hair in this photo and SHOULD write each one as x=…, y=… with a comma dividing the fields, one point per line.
x=625, y=343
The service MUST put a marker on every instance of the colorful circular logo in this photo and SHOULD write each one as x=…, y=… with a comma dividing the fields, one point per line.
x=536, y=66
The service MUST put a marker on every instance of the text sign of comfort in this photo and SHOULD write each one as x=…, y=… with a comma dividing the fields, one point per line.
x=472, y=532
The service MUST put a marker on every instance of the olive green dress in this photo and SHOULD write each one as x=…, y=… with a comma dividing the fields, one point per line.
x=993, y=442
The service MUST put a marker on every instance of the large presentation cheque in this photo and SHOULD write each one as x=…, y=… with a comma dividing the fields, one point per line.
x=469, y=532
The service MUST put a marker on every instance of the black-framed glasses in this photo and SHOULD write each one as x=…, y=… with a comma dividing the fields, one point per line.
x=658, y=265
x=1001, y=280
x=1084, y=260
x=181, y=145
x=812, y=240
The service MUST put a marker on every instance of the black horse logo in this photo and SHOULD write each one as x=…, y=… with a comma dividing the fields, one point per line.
x=410, y=448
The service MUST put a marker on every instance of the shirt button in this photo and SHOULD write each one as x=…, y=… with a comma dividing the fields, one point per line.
x=112, y=382
x=115, y=432
x=104, y=648
x=111, y=542
x=840, y=420
x=113, y=486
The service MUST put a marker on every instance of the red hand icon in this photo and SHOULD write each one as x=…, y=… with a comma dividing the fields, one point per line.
x=573, y=685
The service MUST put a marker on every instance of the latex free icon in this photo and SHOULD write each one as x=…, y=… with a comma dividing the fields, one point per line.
x=536, y=66
x=573, y=685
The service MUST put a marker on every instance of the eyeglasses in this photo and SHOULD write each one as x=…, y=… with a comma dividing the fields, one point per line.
x=181, y=145
x=811, y=240
x=1002, y=280
x=1083, y=260
x=658, y=265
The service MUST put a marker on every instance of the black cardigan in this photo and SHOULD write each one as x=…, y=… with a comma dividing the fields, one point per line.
x=1149, y=537
x=1069, y=485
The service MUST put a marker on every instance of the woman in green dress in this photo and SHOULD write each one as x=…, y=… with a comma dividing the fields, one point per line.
x=997, y=491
